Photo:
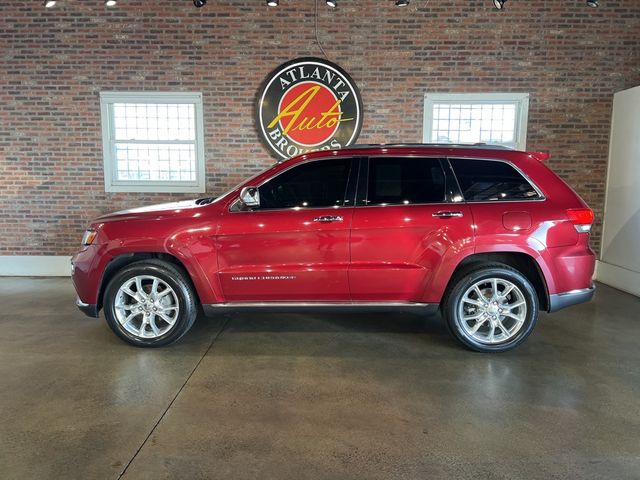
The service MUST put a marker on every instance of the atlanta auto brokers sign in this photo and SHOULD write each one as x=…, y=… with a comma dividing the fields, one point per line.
x=308, y=104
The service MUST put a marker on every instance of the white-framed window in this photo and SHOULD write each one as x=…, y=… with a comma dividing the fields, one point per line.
x=153, y=142
x=493, y=118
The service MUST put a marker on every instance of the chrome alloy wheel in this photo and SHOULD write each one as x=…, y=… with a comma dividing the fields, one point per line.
x=492, y=311
x=146, y=306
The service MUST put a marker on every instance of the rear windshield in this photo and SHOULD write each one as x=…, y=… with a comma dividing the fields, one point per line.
x=488, y=180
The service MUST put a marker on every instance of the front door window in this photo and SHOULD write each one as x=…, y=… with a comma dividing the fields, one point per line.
x=319, y=184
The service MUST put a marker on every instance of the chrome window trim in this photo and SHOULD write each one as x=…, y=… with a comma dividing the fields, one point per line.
x=294, y=209
x=541, y=198
x=410, y=205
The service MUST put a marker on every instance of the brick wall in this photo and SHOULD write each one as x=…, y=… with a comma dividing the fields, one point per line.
x=54, y=62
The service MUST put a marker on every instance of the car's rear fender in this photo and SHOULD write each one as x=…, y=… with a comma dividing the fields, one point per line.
x=525, y=263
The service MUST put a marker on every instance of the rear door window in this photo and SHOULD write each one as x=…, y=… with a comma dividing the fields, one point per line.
x=491, y=181
x=405, y=181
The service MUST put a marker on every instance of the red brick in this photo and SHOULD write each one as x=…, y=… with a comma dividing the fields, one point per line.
x=54, y=62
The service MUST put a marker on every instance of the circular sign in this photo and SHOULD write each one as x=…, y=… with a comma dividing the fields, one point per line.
x=308, y=104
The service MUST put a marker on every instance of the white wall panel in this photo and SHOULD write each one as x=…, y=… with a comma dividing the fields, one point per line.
x=621, y=233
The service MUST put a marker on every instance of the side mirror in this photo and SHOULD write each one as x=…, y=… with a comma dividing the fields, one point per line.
x=250, y=196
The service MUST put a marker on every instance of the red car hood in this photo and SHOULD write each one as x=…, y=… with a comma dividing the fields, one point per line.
x=153, y=211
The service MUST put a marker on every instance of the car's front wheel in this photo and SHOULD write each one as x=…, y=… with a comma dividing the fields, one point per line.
x=492, y=308
x=150, y=303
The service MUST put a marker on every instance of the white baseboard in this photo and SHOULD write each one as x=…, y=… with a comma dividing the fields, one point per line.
x=34, y=266
x=618, y=277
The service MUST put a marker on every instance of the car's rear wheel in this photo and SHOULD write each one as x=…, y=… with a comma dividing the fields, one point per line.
x=492, y=308
x=150, y=303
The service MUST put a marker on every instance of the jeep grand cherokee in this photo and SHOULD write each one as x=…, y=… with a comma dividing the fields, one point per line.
x=490, y=236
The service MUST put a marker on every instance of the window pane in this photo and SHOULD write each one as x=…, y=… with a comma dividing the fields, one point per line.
x=153, y=124
x=156, y=162
x=321, y=183
x=483, y=180
x=474, y=123
x=404, y=181
x=154, y=121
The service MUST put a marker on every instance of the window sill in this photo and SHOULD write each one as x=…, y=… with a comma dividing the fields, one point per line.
x=155, y=188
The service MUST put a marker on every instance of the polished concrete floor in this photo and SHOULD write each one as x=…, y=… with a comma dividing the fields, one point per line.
x=291, y=396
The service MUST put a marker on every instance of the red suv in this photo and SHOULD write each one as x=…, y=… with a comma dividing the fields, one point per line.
x=488, y=235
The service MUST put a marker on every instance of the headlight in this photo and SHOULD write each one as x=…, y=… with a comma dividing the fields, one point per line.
x=89, y=236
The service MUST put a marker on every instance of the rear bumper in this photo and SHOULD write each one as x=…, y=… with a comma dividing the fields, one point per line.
x=88, y=309
x=566, y=299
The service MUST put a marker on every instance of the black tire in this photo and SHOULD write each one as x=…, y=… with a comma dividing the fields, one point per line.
x=452, y=307
x=175, y=278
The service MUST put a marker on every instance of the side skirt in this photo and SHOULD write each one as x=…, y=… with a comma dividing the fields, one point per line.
x=419, y=308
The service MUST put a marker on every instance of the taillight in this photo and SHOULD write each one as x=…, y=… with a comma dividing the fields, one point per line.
x=582, y=218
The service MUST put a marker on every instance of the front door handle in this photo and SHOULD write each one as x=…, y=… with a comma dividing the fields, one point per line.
x=446, y=214
x=328, y=218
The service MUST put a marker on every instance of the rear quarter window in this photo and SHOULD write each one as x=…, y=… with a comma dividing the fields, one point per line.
x=491, y=181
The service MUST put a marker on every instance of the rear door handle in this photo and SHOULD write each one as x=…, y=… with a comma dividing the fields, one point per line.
x=446, y=214
x=328, y=218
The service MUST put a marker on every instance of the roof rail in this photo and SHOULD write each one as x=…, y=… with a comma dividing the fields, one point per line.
x=486, y=146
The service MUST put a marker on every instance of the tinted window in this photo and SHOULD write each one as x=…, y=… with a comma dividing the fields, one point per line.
x=316, y=184
x=402, y=181
x=484, y=180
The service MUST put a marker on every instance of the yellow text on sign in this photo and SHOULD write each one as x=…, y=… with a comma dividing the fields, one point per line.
x=296, y=108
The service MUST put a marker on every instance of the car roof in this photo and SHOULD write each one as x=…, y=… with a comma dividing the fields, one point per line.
x=474, y=150
x=483, y=146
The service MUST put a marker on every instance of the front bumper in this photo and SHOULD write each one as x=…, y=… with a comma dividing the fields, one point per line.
x=88, y=309
x=566, y=299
